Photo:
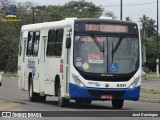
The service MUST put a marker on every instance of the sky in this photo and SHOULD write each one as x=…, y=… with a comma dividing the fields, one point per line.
x=131, y=8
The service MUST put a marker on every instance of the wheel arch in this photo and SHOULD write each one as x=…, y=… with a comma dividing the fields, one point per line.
x=56, y=84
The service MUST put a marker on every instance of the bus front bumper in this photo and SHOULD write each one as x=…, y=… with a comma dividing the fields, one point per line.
x=77, y=92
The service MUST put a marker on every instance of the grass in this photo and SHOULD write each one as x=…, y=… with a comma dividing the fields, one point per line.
x=151, y=76
x=152, y=91
x=9, y=74
x=151, y=73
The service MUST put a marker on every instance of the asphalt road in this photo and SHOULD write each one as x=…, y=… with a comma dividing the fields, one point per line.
x=148, y=84
x=9, y=91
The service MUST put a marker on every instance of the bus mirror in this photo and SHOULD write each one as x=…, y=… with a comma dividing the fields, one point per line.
x=68, y=43
x=143, y=54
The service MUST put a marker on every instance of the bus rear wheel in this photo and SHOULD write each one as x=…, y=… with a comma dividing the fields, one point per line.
x=79, y=101
x=117, y=103
x=42, y=98
x=87, y=101
x=33, y=97
x=62, y=102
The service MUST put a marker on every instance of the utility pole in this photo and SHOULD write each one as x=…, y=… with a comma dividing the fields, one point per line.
x=121, y=11
x=33, y=15
x=157, y=60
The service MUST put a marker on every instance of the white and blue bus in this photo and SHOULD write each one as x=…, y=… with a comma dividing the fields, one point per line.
x=81, y=60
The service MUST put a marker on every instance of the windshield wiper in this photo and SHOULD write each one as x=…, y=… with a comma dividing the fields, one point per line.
x=117, y=45
x=101, y=48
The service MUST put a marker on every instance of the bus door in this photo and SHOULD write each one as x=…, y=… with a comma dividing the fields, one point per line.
x=42, y=63
x=34, y=59
x=68, y=34
x=23, y=67
x=31, y=60
x=21, y=60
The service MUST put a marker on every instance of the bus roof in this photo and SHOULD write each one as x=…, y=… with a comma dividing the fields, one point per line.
x=47, y=25
x=94, y=20
x=67, y=22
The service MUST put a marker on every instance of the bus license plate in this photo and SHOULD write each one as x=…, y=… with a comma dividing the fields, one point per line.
x=106, y=97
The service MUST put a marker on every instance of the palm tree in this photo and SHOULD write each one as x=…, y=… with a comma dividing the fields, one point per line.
x=144, y=21
x=150, y=29
x=110, y=14
x=128, y=19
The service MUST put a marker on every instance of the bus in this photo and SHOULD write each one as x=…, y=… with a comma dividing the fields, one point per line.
x=83, y=59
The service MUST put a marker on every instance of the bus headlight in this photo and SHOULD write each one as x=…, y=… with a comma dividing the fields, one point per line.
x=77, y=81
x=134, y=83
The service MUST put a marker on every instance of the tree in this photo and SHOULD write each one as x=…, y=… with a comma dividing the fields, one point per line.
x=80, y=9
x=150, y=27
x=128, y=19
x=25, y=12
x=83, y=9
x=150, y=44
x=144, y=20
x=9, y=46
x=147, y=26
x=110, y=14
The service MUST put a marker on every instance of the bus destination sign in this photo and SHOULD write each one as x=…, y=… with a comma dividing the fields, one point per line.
x=106, y=28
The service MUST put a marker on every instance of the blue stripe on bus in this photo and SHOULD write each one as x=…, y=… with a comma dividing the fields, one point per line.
x=77, y=92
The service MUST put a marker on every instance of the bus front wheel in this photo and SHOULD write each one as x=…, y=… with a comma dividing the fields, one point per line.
x=33, y=97
x=117, y=103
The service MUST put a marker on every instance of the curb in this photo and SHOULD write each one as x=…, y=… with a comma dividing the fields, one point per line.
x=142, y=99
x=9, y=77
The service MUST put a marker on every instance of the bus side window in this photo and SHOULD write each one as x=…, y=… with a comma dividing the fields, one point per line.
x=50, y=43
x=58, y=42
x=29, y=43
x=35, y=44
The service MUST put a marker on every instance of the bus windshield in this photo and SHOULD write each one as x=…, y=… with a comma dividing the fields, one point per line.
x=120, y=54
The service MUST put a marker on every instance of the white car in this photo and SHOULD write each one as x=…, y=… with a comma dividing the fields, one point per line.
x=1, y=78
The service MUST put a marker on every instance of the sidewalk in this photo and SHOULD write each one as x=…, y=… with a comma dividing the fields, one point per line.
x=147, y=97
x=150, y=85
x=8, y=105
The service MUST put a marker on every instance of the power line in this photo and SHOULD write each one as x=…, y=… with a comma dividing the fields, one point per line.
x=135, y=4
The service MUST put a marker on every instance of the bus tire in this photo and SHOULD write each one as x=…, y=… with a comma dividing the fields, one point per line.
x=33, y=97
x=62, y=102
x=79, y=101
x=0, y=83
x=117, y=103
x=87, y=101
x=42, y=99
